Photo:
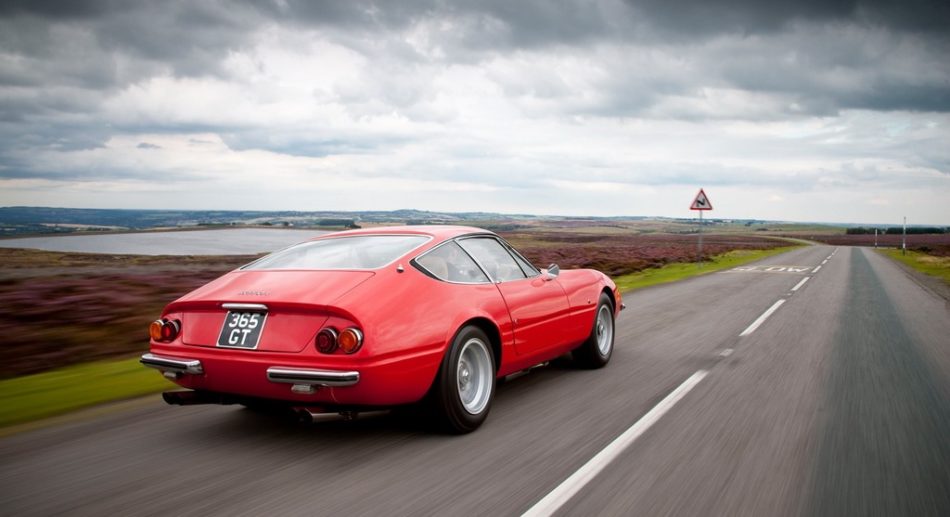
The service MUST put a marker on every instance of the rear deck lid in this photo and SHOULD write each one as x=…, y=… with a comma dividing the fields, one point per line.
x=275, y=311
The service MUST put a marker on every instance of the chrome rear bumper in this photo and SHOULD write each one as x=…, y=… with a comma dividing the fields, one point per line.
x=172, y=364
x=312, y=377
x=303, y=377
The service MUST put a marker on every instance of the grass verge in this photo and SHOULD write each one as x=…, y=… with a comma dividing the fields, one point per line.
x=927, y=264
x=680, y=270
x=32, y=397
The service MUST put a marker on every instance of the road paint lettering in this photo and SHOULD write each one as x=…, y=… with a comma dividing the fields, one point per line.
x=572, y=485
x=800, y=284
x=765, y=315
x=744, y=268
x=770, y=269
x=816, y=269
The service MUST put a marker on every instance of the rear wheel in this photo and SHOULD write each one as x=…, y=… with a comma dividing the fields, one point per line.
x=596, y=351
x=465, y=386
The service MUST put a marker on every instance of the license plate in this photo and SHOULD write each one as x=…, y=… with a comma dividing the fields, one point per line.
x=242, y=329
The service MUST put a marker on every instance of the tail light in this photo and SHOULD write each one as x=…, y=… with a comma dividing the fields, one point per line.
x=326, y=341
x=164, y=330
x=351, y=340
x=329, y=340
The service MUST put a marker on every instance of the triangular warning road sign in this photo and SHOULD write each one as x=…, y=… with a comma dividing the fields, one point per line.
x=701, y=202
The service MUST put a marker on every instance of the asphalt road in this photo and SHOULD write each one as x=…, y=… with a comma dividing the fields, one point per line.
x=836, y=404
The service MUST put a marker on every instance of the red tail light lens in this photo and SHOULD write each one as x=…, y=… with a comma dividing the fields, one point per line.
x=170, y=330
x=326, y=341
x=164, y=330
x=155, y=330
x=351, y=340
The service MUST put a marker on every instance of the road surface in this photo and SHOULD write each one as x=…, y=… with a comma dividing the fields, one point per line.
x=834, y=401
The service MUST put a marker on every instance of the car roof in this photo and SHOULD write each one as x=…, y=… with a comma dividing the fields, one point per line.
x=438, y=232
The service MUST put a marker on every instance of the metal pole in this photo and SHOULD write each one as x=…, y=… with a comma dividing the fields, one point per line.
x=699, y=256
x=875, y=237
x=904, y=238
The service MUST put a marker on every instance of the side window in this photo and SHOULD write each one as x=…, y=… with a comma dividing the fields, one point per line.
x=525, y=265
x=448, y=262
x=491, y=255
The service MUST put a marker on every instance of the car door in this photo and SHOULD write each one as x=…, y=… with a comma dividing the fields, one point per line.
x=538, y=306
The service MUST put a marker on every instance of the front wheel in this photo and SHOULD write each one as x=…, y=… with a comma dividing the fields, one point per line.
x=466, y=383
x=596, y=351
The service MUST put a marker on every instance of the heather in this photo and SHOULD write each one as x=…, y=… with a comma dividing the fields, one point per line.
x=623, y=253
x=64, y=308
x=67, y=308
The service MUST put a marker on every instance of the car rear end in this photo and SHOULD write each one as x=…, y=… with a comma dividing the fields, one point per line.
x=275, y=333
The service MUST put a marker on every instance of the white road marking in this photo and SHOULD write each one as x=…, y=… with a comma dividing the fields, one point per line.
x=726, y=353
x=572, y=485
x=823, y=262
x=816, y=269
x=767, y=268
x=800, y=284
x=765, y=315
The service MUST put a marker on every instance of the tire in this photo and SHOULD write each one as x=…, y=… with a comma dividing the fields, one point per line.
x=465, y=386
x=596, y=351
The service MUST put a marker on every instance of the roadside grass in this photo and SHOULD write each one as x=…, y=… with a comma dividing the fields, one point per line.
x=32, y=397
x=927, y=264
x=680, y=270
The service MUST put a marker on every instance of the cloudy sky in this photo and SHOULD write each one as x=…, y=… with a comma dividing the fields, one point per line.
x=807, y=110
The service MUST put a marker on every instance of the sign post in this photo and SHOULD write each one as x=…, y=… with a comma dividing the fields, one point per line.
x=700, y=203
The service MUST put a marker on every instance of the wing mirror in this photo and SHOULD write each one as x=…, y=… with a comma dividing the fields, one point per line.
x=553, y=271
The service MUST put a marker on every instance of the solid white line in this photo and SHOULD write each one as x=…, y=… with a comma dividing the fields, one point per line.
x=765, y=315
x=570, y=486
x=816, y=269
x=800, y=284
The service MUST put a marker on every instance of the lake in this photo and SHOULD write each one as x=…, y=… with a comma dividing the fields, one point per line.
x=237, y=241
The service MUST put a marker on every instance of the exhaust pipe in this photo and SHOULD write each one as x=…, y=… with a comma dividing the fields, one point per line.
x=313, y=414
x=304, y=415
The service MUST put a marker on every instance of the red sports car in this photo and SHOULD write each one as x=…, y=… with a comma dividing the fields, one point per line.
x=381, y=317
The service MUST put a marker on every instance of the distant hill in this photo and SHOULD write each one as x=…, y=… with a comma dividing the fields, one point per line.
x=19, y=220
x=32, y=220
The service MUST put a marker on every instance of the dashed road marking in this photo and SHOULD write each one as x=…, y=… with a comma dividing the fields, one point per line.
x=765, y=315
x=815, y=270
x=800, y=284
x=572, y=485
x=726, y=353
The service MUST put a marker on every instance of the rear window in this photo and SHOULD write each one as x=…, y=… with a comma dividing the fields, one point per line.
x=358, y=252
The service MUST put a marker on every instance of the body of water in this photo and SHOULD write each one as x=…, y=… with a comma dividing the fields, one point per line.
x=238, y=241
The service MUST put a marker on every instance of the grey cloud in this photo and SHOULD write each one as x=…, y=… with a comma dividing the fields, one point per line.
x=813, y=57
